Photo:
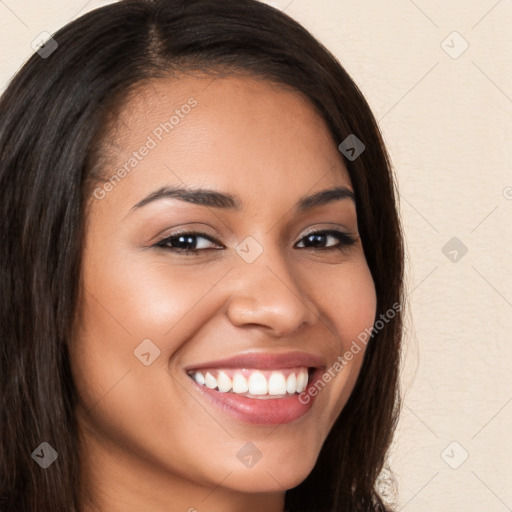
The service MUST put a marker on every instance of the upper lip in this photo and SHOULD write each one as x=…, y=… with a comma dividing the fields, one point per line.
x=264, y=361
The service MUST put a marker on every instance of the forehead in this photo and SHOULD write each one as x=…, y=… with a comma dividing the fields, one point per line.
x=234, y=133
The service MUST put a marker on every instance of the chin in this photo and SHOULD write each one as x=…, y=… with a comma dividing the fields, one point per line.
x=271, y=476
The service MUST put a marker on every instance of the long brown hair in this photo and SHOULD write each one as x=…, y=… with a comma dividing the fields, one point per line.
x=51, y=116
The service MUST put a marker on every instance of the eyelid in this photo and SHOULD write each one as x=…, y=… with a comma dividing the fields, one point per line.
x=330, y=228
x=192, y=232
x=346, y=239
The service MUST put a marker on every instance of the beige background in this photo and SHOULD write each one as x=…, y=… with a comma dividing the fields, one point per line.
x=448, y=125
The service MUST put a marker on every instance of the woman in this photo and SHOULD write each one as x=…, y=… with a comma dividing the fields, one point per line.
x=201, y=269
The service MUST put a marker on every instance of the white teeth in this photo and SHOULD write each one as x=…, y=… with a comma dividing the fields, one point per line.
x=291, y=381
x=223, y=382
x=277, y=384
x=302, y=381
x=210, y=381
x=258, y=384
x=199, y=378
x=240, y=383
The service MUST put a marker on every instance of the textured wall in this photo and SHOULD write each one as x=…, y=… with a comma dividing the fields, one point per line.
x=446, y=114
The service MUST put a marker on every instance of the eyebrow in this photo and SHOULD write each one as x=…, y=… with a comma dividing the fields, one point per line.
x=211, y=198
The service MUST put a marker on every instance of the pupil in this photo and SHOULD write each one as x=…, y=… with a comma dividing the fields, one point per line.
x=187, y=240
x=316, y=239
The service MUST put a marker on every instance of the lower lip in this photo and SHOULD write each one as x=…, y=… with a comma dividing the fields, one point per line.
x=261, y=411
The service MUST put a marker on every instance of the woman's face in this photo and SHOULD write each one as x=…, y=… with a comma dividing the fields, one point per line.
x=266, y=295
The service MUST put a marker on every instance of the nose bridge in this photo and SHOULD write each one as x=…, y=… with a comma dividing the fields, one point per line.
x=267, y=291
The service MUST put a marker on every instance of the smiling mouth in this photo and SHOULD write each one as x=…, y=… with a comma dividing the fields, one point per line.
x=253, y=382
x=259, y=388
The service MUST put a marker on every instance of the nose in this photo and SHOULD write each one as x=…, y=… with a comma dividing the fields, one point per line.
x=268, y=294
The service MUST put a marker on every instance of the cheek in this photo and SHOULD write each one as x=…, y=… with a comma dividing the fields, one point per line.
x=130, y=308
x=345, y=297
x=132, y=298
x=348, y=300
x=136, y=407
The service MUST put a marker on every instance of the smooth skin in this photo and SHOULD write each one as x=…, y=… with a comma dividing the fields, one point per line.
x=150, y=440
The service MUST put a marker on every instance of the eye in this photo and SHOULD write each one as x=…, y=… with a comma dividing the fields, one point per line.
x=188, y=242
x=316, y=239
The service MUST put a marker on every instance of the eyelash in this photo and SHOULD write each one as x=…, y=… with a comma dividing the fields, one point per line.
x=345, y=241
